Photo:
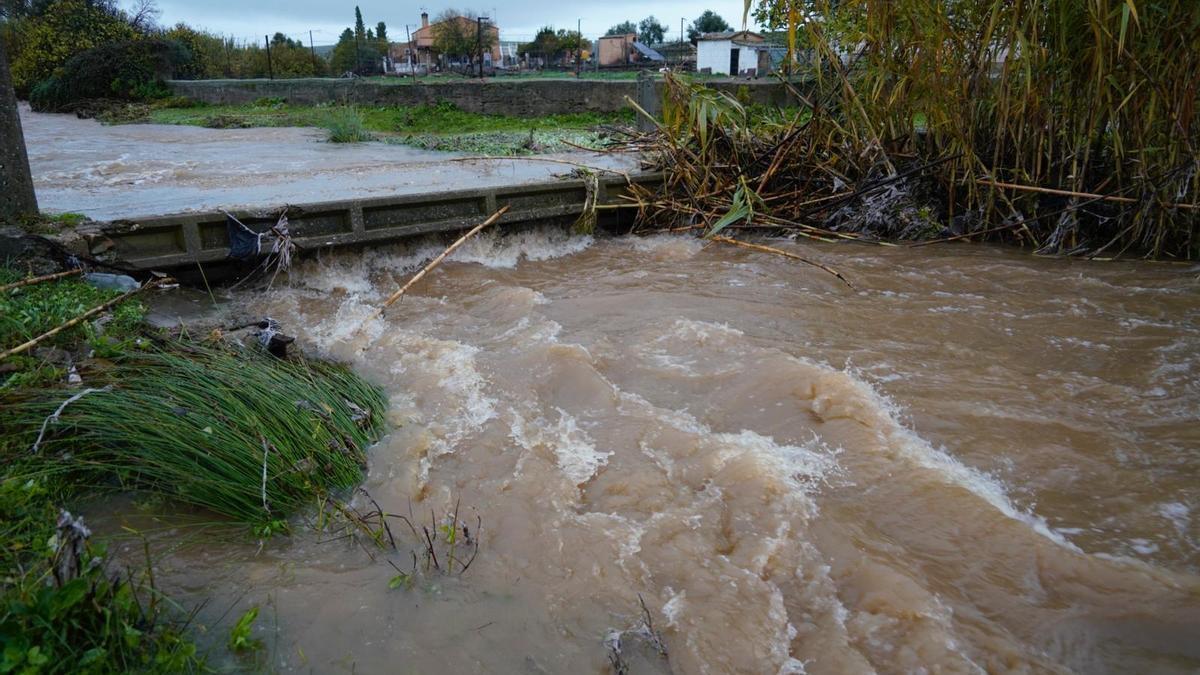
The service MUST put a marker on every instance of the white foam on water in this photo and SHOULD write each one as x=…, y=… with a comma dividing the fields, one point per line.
x=674, y=606
x=666, y=246
x=576, y=453
x=498, y=250
x=920, y=452
x=804, y=468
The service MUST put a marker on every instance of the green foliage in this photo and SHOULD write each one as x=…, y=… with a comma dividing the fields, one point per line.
x=359, y=50
x=345, y=125
x=651, y=31
x=441, y=119
x=200, y=425
x=623, y=28
x=240, y=639
x=1092, y=97
x=458, y=36
x=708, y=22
x=129, y=70
x=213, y=57
x=29, y=311
x=96, y=622
x=67, y=28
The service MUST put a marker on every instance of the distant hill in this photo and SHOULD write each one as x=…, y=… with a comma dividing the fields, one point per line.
x=323, y=50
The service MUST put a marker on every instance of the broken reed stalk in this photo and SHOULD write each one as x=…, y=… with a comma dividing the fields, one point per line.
x=786, y=254
x=1071, y=193
x=82, y=317
x=437, y=261
x=37, y=280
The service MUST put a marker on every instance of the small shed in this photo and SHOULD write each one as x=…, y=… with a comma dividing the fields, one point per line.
x=620, y=50
x=614, y=50
x=734, y=53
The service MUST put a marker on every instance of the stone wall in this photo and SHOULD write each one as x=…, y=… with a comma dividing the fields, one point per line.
x=525, y=98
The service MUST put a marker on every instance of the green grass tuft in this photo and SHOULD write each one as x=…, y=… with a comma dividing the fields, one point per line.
x=199, y=424
x=346, y=125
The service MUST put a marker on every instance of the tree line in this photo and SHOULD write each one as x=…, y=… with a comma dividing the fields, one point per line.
x=651, y=31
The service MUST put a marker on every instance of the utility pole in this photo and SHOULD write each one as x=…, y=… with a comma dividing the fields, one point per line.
x=312, y=50
x=681, y=42
x=17, y=198
x=270, y=68
x=479, y=42
x=578, y=45
x=411, y=68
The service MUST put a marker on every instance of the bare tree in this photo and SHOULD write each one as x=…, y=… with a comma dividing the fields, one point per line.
x=143, y=15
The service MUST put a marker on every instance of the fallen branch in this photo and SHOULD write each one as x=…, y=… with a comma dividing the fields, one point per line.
x=37, y=280
x=776, y=251
x=82, y=317
x=436, y=261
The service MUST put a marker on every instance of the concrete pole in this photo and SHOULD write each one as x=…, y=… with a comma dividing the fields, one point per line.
x=649, y=100
x=17, y=199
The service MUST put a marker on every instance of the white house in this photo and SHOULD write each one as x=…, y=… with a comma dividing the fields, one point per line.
x=743, y=52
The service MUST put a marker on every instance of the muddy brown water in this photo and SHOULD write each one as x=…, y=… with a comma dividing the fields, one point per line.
x=977, y=461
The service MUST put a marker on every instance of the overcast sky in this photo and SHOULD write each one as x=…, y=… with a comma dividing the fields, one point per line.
x=251, y=19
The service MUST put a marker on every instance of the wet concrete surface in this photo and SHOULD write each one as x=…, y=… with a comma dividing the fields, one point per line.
x=125, y=171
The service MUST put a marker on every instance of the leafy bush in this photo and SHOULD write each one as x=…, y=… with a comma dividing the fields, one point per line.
x=129, y=70
x=67, y=28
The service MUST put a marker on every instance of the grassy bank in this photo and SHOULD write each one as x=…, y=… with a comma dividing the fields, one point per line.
x=111, y=406
x=438, y=127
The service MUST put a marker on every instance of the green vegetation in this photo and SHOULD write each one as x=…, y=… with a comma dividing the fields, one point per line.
x=229, y=429
x=62, y=610
x=1069, y=127
x=240, y=639
x=219, y=426
x=439, y=127
x=359, y=50
x=42, y=43
x=708, y=22
x=130, y=71
x=33, y=310
x=498, y=143
x=345, y=125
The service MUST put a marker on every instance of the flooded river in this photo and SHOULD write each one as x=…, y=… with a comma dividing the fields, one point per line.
x=109, y=172
x=976, y=461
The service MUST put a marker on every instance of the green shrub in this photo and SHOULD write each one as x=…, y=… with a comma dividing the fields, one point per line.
x=345, y=125
x=129, y=70
x=67, y=28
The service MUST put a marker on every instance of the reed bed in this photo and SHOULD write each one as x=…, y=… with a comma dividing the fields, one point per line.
x=224, y=428
x=1065, y=125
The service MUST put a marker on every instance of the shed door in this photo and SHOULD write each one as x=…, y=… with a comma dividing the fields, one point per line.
x=733, y=61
